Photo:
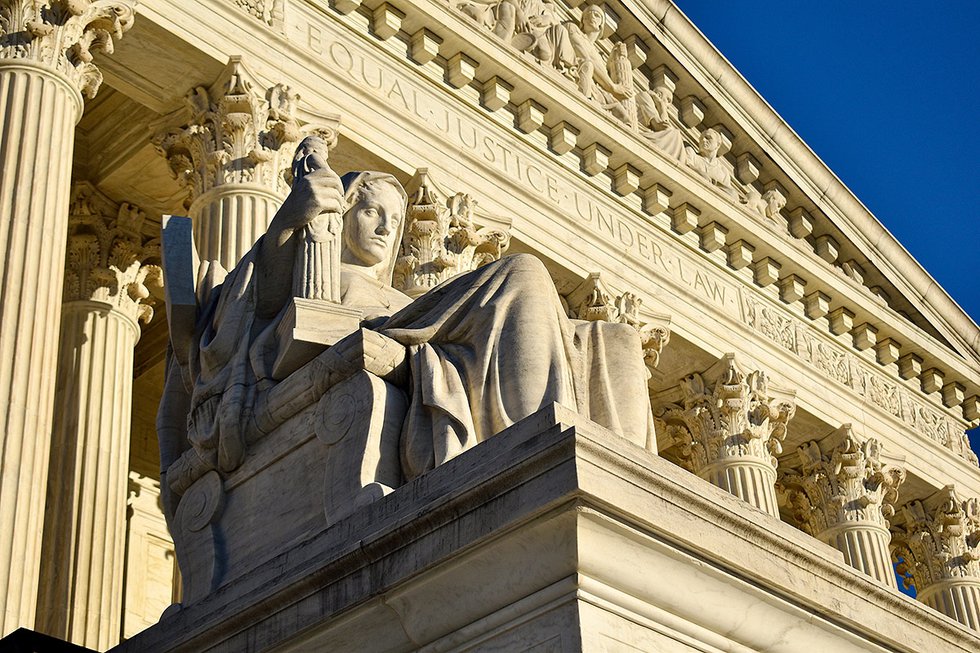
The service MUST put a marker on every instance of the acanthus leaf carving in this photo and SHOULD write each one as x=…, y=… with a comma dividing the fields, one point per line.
x=64, y=34
x=110, y=257
x=591, y=300
x=234, y=135
x=840, y=481
x=939, y=544
x=734, y=415
x=440, y=239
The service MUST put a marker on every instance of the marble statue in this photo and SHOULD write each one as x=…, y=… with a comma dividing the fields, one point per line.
x=654, y=120
x=767, y=205
x=709, y=164
x=478, y=352
x=605, y=82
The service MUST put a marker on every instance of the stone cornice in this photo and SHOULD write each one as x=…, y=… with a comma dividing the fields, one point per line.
x=555, y=467
x=684, y=39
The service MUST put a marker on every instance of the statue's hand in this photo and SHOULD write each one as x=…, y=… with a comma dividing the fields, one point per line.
x=316, y=192
x=376, y=353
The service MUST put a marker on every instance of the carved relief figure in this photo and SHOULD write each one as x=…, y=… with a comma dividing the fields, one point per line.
x=482, y=350
x=522, y=24
x=709, y=164
x=768, y=204
x=654, y=119
x=577, y=54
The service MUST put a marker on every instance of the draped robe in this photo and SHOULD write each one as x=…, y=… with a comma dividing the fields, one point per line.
x=485, y=350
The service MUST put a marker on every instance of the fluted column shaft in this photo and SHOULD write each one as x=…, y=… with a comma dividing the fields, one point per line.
x=81, y=587
x=865, y=547
x=957, y=599
x=229, y=218
x=40, y=111
x=751, y=480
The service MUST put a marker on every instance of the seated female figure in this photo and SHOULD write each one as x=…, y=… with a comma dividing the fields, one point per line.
x=485, y=349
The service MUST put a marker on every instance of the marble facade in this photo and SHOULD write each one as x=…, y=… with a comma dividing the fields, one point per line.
x=810, y=384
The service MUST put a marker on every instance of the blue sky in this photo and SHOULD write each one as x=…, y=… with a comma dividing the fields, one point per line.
x=888, y=95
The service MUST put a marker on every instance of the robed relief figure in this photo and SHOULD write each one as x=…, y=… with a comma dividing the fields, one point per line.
x=482, y=350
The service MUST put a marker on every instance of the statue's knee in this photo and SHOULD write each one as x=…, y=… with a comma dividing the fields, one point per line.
x=527, y=266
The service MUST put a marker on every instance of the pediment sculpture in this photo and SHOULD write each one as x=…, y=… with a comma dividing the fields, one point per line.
x=393, y=387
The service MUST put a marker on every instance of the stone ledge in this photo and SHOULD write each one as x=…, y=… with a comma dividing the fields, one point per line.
x=550, y=526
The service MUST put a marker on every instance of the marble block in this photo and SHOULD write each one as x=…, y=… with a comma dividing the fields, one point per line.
x=308, y=327
x=553, y=535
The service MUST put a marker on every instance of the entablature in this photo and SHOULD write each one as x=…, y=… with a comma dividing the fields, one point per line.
x=779, y=265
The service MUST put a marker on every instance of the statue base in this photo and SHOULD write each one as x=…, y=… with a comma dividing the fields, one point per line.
x=554, y=535
x=308, y=328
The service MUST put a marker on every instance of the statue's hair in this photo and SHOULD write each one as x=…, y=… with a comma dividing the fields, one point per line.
x=356, y=184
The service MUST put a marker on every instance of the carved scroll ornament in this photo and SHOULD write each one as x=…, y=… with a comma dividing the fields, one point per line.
x=64, y=34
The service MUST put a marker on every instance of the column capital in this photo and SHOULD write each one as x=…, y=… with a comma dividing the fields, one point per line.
x=939, y=541
x=111, y=257
x=592, y=300
x=64, y=35
x=726, y=413
x=840, y=481
x=235, y=133
x=441, y=239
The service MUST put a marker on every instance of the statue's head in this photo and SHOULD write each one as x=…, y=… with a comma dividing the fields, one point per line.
x=663, y=93
x=710, y=143
x=593, y=19
x=774, y=202
x=373, y=222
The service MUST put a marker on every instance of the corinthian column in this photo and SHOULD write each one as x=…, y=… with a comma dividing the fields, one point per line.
x=842, y=494
x=938, y=552
x=106, y=287
x=46, y=67
x=233, y=156
x=727, y=429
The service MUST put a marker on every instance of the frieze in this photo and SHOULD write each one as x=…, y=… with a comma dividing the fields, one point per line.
x=834, y=361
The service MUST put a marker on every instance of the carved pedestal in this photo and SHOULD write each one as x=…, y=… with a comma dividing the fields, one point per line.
x=332, y=457
x=554, y=535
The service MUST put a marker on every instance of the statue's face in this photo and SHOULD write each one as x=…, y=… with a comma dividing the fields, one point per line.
x=372, y=225
x=774, y=201
x=591, y=19
x=710, y=142
x=664, y=94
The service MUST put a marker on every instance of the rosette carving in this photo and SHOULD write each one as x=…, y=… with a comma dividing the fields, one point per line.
x=110, y=258
x=64, y=34
x=234, y=135
x=735, y=417
x=846, y=483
